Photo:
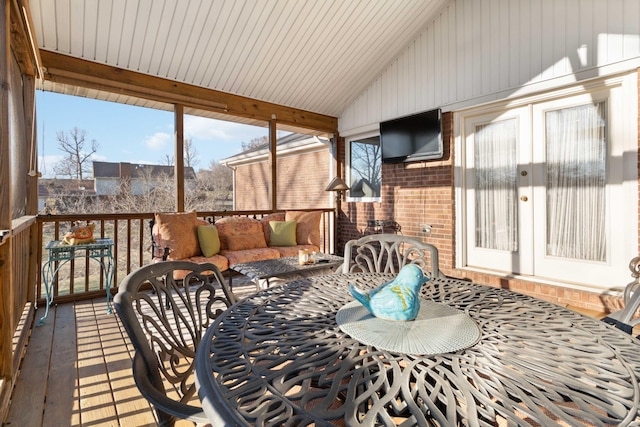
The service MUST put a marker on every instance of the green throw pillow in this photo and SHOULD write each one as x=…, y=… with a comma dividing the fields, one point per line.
x=282, y=233
x=209, y=240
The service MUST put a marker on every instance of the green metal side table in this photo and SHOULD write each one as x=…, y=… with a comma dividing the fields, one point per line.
x=60, y=253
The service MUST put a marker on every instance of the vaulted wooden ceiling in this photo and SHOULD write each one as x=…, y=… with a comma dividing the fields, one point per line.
x=312, y=56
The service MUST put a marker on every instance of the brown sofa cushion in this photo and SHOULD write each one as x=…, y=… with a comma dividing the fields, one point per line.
x=250, y=255
x=307, y=228
x=178, y=232
x=240, y=233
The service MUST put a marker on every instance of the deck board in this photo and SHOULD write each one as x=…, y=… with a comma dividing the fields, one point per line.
x=96, y=401
x=28, y=401
x=62, y=386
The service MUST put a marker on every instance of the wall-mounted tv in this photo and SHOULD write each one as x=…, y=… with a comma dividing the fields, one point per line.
x=412, y=138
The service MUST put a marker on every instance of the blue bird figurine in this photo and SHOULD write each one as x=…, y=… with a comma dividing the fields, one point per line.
x=395, y=300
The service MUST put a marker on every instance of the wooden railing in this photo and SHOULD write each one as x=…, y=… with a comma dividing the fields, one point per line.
x=131, y=233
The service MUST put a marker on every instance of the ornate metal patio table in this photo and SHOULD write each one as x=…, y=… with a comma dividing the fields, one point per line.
x=284, y=266
x=60, y=253
x=278, y=357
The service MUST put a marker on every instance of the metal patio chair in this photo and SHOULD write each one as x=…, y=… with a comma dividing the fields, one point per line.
x=388, y=253
x=165, y=320
x=624, y=319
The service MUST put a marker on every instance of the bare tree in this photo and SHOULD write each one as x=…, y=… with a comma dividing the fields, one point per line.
x=167, y=160
x=149, y=193
x=255, y=142
x=365, y=162
x=213, y=189
x=190, y=154
x=77, y=160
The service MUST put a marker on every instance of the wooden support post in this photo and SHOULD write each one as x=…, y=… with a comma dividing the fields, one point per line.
x=273, y=162
x=6, y=278
x=179, y=155
x=32, y=143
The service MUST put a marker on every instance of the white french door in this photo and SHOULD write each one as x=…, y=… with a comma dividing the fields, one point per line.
x=498, y=157
x=546, y=192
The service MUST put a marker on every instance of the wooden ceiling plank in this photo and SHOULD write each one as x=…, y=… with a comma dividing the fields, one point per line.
x=68, y=70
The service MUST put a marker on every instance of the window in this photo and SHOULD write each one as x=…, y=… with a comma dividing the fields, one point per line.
x=365, y=168
x=546, y=191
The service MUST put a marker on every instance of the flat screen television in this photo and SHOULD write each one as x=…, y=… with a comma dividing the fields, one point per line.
x=412, y=138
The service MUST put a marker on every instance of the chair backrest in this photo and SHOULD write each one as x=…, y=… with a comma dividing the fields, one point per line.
x=388, y=253
x=165, y=320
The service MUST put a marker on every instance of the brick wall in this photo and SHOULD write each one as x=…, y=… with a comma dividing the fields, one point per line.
x=413, y=194
x=301, y=182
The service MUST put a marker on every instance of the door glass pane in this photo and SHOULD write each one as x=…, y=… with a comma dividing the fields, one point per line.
x=576, y=178
x=496, y=185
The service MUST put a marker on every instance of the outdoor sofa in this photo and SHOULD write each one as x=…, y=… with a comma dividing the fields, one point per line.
x=234, y=239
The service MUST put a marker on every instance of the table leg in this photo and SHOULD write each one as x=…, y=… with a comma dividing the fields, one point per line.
x=48, y=277
x=108, y=277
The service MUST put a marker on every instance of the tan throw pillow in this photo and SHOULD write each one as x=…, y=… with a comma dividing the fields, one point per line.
x=282, y=233
x=178, y=232
x=308, y=226
x=239, y=233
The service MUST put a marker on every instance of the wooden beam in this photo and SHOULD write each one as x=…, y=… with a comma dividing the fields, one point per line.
x=178, y=172
x=22, y=38
x=73, y=71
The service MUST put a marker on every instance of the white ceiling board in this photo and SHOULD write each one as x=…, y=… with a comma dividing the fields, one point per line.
x=315, y=55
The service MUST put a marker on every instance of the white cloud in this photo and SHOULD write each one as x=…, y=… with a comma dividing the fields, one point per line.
x=47, y=163
x=158, y=141
x=217, y=130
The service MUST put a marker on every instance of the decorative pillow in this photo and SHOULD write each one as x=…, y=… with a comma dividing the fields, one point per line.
x=282, y=233
x=209, y=240
x=178, y=232
x=265, y=220
x=308, y=228
x=239, y=233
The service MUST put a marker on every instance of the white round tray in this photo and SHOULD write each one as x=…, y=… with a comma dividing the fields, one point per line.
x=437, y=329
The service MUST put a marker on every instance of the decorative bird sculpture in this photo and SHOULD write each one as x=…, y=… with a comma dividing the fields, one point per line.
x=397, y=299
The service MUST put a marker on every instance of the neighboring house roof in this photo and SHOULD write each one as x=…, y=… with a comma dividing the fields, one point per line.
x=124, y=169
x=47, y=187
x=291, y=144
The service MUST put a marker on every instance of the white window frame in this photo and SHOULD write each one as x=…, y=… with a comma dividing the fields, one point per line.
x=348, y=141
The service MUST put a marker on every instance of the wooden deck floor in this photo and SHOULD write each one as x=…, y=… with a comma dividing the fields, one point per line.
x=77, y=371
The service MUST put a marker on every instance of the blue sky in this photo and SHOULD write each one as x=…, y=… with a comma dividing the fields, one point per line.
x=131, y=134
